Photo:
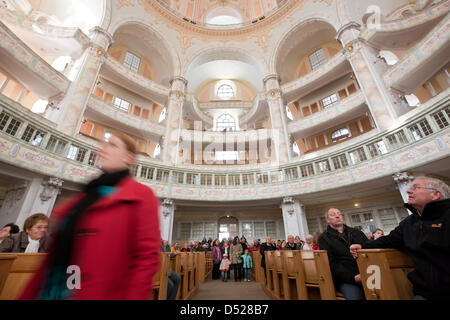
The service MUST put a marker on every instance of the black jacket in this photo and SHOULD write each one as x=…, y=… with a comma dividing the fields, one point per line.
x=263, y=248
x=426, y=239
x=342, y=264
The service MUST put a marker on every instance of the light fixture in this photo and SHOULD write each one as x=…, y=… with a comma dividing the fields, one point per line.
x=356, y=204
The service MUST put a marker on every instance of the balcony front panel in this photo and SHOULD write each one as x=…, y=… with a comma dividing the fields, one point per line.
x=226, y=104
x=131, y=121
x=404, y=30
x=338, y=112
x=219, y=137
x=28, y=67
x=424, y=60
x=116, y=72
x=333, y=69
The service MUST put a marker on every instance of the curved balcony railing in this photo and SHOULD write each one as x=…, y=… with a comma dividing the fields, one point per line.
x=114, y=70
x=45, y=30
x=127, y=119
x=230, y=137
x=256, y=106
x=421, y=139
x=229, y=104
x=423, y=60
x=331, y=70
x=222, y=27
x=336, y=112
x=381, y=29
x=192, y=101
x=28, y=67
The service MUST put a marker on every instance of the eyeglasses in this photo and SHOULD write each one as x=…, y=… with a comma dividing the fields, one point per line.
x=413, y=188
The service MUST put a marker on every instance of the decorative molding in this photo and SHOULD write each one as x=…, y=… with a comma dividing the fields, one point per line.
x=51, y=187
x=167, y=207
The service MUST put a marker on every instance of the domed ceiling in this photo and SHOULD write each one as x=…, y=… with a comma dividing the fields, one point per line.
x=219, y=13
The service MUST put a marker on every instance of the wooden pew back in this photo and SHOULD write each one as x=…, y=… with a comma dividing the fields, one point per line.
x=384, y=274
x=160, y=279
x=21, y=271
x=294, y=275
x=6, y=261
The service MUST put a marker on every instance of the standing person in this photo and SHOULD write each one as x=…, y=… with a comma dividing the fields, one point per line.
x=244, y=243
x=255, y=246
x=165, y=246
x=267, y=246
x=309, y=243
x=425, y=236
x=217, y=259
x=175, y=248
x=247, y=264
x=225, y=268
x=33, y=239
x=235, y=252
x=110, y=233
x=315, y=245
x=336, y=239
x=226, y=251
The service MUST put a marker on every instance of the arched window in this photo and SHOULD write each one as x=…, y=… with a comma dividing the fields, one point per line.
x=162, y=116
x=289, y=113
x=225, y=92
x=225, y=123
x=340, y=134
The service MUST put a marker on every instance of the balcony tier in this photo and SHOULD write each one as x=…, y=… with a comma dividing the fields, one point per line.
x=28, y=68
x=424, y=60
x=346, y=109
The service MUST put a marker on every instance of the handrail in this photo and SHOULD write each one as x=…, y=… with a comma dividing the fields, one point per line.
x=161, y=173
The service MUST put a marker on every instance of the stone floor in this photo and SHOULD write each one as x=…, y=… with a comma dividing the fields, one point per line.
x=231, y=290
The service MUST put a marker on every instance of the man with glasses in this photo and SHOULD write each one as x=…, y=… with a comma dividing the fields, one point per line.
x=425, y=236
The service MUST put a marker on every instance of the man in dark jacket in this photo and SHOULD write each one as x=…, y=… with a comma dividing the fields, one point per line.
x=337, y=240
x=291, y=245
x=425, y=236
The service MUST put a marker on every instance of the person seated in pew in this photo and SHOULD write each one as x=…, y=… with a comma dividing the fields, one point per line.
x=8, y=230
x=33, y=239
x=197, y=247
x=315, y=245
x=108, y=237
x=175, y=248
x=291, y=245
x=336, y=239
x=173, y=280
x=299, y=242
x=377, y=233
x=309, y=242
x=425, y=236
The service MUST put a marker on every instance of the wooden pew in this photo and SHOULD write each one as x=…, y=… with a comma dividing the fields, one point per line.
x=326, y=284
x=201, y=266
x=209, y=263
x=160, y=279
x=257, y=270
x=294, y=287
x=20, y=272
x=6, y=261
x=277, y=274
x=184, y=273
x=269, y=270
x=392, y=267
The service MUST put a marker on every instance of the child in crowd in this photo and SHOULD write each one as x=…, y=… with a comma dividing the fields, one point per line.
x=225, y=267
x=247, y=264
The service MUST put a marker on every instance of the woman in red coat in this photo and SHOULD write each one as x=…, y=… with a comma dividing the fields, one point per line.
x=107, y=242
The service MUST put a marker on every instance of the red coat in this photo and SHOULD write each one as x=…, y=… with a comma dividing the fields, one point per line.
x=116, y=245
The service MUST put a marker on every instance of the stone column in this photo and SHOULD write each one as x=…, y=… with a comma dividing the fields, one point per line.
x=362, y=59
x=174, y=118
x=167, y=212
x=280, y=139
x=403, y=180
x=294, y=218
x=23, y=200
x=67, y=112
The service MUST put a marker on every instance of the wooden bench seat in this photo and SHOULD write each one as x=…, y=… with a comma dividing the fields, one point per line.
x=384, y=274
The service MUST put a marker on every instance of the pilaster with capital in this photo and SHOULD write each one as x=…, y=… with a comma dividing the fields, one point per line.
x=72, y=107
x=174, y=120
x=403, y=181
x=364, y=60
x=294, y=218
x=30, y=197
x=167, y=211
x=280, y=138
